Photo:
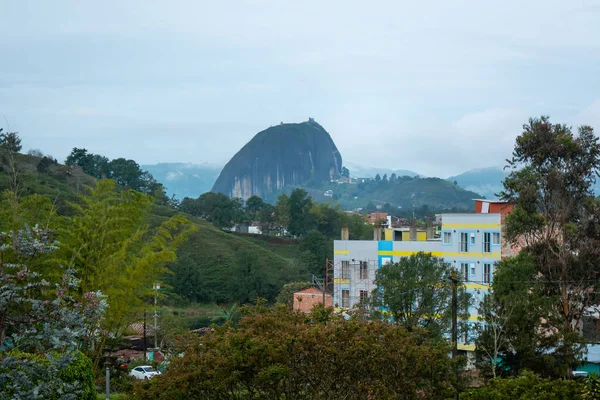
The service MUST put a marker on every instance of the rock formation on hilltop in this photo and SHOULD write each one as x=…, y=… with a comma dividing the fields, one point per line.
x=278, y=157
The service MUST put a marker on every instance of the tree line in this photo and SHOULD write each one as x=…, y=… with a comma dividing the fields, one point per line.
x=293, y=215
x=125, y=172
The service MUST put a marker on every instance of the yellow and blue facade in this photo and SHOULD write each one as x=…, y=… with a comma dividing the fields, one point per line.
x=471, y=243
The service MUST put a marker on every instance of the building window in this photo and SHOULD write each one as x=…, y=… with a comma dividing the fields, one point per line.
x=473, y=272
x=472, y=239
x=464, y=271
x=363, y=295
x=487, y=268
x=464, y=242
x=447, y=237
x=487, y=242
x=345, y=298
x=364, y=271
x=345, y=269
x=496, y=238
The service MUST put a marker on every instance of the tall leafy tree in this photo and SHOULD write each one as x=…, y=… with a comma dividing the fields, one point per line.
x=416, y=292
x=556, y=217
x=254, y=205
x=267, y=219
x=511, y=315
x=326, y=219
x=282, y=212
x=300, y=204
x=315, y=248
x=10, y=141
x=110, y=245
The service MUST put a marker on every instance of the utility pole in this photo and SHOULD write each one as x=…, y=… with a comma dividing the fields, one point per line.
x=145, y=350
x=325, y=280
x=454, y=324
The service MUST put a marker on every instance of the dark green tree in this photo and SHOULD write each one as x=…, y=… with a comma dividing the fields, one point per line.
x=254, y=205
x=44, y=164
x=557, y=219
x=345, y=172
x=10, y=141
x=282, y=213
x=92, y=164
x=300, y=205
x=240, y=216
x=326, y=219
x=126, y=173
x=377, y=178
x=267, y=219
x=416, y=292
x=315, y=248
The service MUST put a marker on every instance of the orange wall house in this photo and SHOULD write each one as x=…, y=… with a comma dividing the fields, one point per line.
x=305, y=299
x=492, y=207
x=376, y=216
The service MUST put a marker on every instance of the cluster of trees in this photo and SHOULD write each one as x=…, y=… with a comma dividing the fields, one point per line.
x=532, y=317
x=126, y=173
x=292, y=216
x=276, y=354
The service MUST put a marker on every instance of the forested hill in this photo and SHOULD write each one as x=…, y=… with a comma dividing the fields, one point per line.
x=286, y=155
x=404, y=192
x=212, y=265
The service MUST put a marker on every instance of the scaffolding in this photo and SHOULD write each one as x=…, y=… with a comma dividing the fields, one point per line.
x=350, y=281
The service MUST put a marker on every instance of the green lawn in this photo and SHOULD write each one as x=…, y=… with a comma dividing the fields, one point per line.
x=113, y=396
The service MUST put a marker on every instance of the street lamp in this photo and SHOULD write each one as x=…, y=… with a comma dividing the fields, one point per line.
x=156, y=288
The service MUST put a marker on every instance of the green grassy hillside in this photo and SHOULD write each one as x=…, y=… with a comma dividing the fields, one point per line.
x=218, y=266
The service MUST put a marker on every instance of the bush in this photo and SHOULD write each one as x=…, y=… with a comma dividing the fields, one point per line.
x=51, y=376
x=526, y=386
x=278, y=354
x=80, y=372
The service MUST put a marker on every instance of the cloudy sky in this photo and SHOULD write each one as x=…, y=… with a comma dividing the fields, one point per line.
x=437, y=87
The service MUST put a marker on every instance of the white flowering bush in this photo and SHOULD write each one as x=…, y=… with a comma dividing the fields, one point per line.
x=43, y=325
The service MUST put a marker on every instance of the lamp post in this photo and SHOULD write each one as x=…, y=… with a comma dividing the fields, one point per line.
x=107, y=365
x=156, y=288
x=454, y=281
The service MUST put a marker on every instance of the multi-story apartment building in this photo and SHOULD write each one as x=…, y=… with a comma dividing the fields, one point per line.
x=471, y=243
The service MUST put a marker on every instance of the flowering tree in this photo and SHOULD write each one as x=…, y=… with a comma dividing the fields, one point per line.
x=42, y=326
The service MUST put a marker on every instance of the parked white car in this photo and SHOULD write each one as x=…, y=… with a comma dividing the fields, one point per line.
x=144, y=372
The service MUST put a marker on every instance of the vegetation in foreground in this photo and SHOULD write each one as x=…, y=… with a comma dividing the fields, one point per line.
x=277, y=354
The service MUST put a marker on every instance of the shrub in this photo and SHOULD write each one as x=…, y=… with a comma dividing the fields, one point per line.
x=526, y=386
x=278, y=354
x=80, y=372
x=51, y=376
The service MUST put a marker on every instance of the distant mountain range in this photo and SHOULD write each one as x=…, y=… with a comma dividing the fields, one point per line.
x=191, y=180
x=184, y=179
x=485, y=181
x=301, y=155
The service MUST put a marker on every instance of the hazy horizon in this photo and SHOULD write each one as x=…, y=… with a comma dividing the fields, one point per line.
x=437, y=88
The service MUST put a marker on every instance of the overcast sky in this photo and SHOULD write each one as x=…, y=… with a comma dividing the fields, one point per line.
x=437, y=87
